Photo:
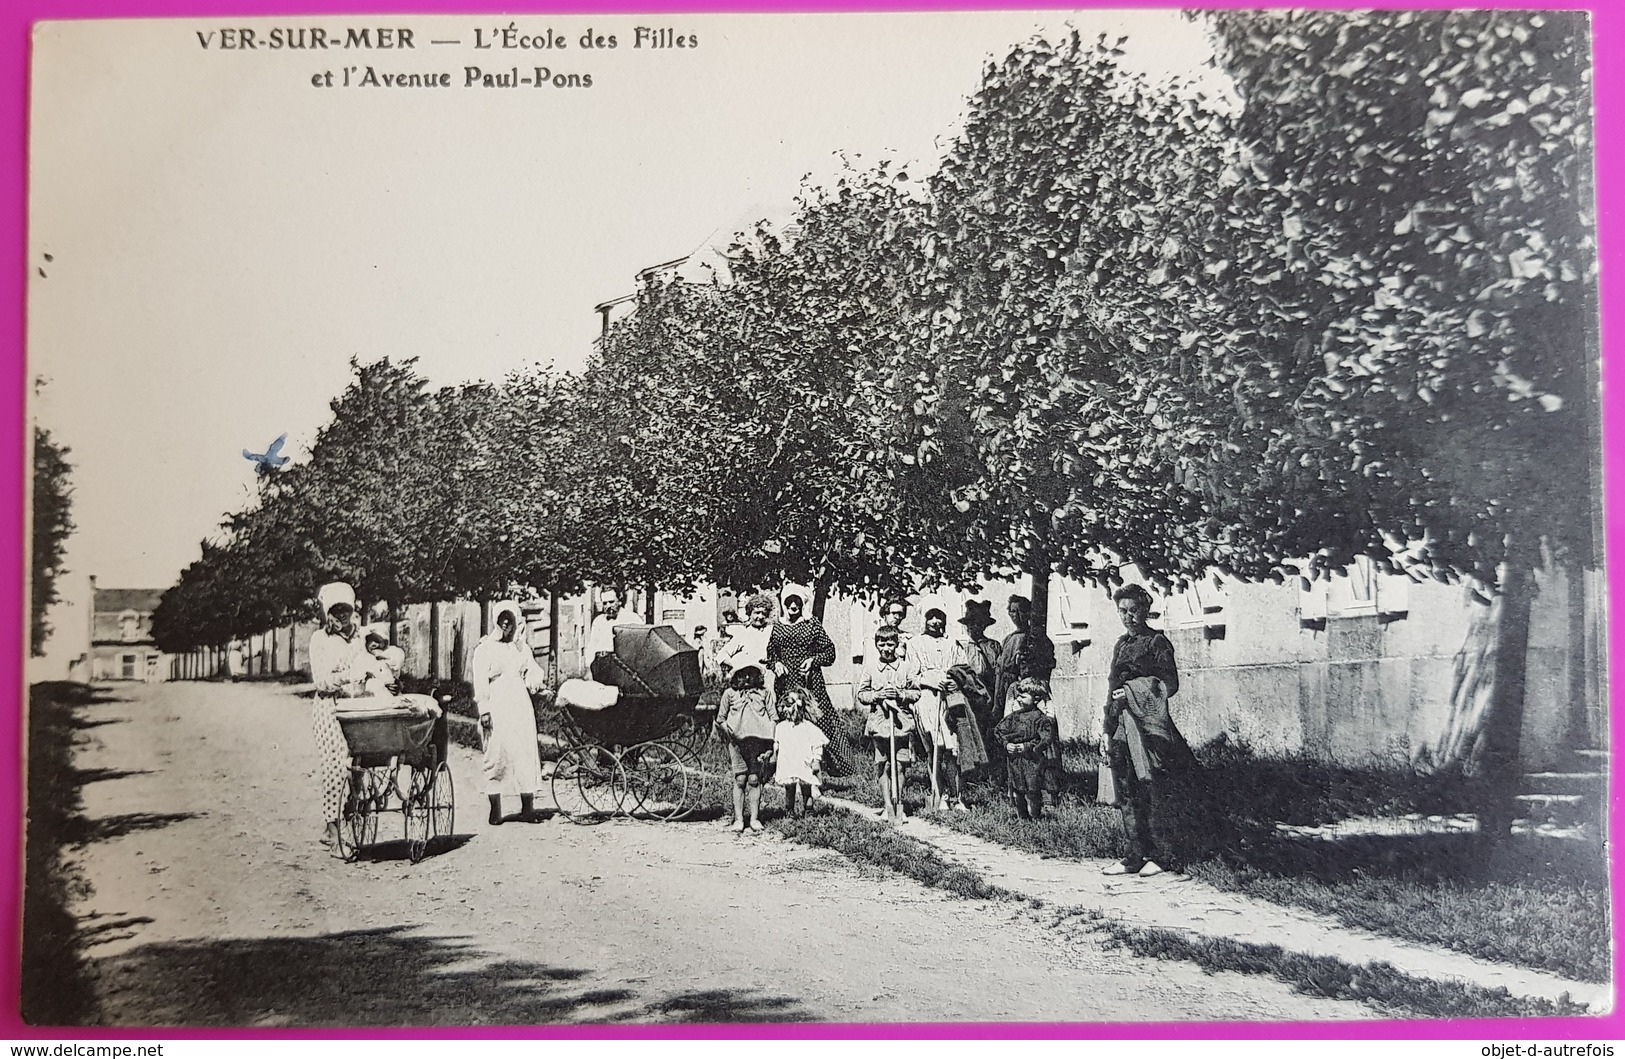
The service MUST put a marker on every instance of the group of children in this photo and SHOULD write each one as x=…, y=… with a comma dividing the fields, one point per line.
x=769, y=736
x=780, y=738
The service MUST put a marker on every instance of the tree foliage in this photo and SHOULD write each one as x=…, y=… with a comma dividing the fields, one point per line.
x=817, y=313
x=1409, y=287
x=1337, y=301
x=52, y=526
x=1053, y=213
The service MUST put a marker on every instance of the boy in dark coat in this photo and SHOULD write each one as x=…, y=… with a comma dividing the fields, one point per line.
x=1028, y=738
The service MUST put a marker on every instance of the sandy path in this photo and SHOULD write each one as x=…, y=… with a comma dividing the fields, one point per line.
x=212, y=903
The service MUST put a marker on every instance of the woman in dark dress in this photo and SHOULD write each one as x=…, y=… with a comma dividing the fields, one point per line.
x=1148, y=754
x=1025, y=653
x=798, y=649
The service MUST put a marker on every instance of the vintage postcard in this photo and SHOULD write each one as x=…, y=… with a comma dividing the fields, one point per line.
x=1080, y=516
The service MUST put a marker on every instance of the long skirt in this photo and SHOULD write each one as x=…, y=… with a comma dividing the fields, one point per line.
x=512, y=764
x=334, y=769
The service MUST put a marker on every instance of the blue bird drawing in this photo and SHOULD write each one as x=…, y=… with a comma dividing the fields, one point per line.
x=271, y=459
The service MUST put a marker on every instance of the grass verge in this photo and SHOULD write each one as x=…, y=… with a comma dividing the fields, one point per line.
x=55, y=981
x=1377, y=984
x=1523, y=901
x=1532, y=901
x=879, y=844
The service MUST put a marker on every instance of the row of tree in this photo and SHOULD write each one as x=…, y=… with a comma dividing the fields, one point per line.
x=1342, y=304
x=51, y=504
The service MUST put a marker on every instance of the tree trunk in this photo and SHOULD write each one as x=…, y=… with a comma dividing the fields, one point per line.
x=434, y=642
x=649, y=604
x=1577, y=660
x=553, y=635
x=389, y=616
x=1501, y=768
x=820, y=600
x=1039, y=569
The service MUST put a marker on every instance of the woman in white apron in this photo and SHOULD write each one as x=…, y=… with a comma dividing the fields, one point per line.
x=505, y=673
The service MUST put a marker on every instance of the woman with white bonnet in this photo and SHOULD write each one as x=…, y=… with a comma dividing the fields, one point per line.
x=505, y=673
x=340, y=666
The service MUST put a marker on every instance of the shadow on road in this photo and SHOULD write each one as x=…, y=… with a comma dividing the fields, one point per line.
x=82, y=830
x=104, y=929
x=391, y=976
x=397, y=848
x=54, y=982
x=87, y=776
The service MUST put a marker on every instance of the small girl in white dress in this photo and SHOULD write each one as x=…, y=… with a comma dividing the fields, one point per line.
x=798, y=745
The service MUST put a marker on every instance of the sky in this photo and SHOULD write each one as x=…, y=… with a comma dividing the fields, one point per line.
x=224, y=236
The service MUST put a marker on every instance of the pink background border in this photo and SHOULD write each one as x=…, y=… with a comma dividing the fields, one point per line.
x=15, y=23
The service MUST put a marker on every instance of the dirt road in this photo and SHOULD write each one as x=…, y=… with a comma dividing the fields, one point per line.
x=212, y=903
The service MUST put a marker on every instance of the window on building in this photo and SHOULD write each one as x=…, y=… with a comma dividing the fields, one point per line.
x=1074, y=600
x=129, y=626
x=1353, y=593
x=1200, y=605
x=127, y=666
x=1362, y=590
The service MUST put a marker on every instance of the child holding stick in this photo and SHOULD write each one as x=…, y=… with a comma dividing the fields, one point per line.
x=889, y=687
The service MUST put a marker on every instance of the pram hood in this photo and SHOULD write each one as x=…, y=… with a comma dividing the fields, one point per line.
x=651, y=661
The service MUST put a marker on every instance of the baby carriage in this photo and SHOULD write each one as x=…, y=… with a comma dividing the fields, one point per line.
x=633, y=755
x=397, y=765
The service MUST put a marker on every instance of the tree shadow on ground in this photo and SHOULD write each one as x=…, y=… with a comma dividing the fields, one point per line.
x=54, y=986
x=82, y=723
x=81, y=777
x=82, y=830
x=391, y=976
x=71, y=693
x=1428, y=859
x=101, y=930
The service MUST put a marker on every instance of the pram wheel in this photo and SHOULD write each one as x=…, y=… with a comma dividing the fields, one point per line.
x=442, y=804
x=358, y=826
x=586, y=783
x=656, y=782
x=419, y=822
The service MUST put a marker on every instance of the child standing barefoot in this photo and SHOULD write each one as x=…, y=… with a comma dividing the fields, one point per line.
x=745, y=722
x=798, y=744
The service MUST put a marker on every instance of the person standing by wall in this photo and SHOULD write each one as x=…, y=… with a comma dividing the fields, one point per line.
x=1146, y=751
x=746, y=722
x=749, y=643
x=936, y=655
x=505, y=673
x=888, y=687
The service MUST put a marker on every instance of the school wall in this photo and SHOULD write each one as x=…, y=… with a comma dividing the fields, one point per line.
x=1365, y=686
x=1279, y=667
